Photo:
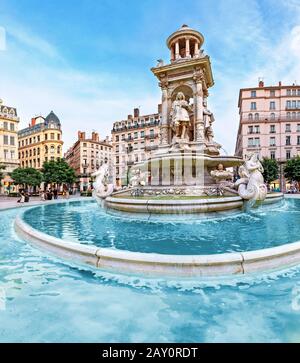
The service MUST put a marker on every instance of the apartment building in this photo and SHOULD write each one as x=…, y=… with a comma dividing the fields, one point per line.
x=133, y=140
x=270, y=123
x=8, y=144
x=41, y=141
x=86, y=156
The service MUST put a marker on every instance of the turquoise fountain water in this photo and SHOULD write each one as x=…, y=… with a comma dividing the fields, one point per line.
x=45, y=299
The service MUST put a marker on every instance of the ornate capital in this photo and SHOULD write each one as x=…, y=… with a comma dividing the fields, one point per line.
x=199, y=75
x=163, y=84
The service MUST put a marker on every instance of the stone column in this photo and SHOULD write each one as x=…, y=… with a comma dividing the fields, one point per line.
x=196, y=52
x=177, y=55
x=187, y=47
x=172, y=52
x=199, y=121
x=164, y=129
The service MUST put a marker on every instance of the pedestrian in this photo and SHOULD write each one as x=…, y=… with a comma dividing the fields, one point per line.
x=55, y=193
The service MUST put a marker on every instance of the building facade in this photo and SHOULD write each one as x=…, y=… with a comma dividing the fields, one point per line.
x=270, y=124
x=86, y=156
x=133, y=140
x=8, y=144
x=41, y=141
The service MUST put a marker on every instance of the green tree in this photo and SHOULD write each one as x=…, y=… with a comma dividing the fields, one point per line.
x=292, y=169
x=58, y=172
x=27, y=177
x=2, y=167
x=271, y=170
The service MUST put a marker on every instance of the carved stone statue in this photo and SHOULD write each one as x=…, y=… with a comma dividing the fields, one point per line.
x=138, y=178
x=102, y=188
x=180, y=116
x=208, y=118
x=221, y=174
x=251, y=185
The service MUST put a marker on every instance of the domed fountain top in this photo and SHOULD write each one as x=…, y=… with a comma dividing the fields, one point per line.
x=183, y=33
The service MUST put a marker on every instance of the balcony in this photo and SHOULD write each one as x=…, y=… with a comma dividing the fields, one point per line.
x=150, y=148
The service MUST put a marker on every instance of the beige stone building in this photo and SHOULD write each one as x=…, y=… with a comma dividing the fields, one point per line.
x=41, y=141
x=133, y=140
x=270, y=124
x=8, y=143
x=86, y=156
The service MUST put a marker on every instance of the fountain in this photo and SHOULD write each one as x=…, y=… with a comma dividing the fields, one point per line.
x=187, y=174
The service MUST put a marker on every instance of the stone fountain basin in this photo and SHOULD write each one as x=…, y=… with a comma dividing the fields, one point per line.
x=153, y=264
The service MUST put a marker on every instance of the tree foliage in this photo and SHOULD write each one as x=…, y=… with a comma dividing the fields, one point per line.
x=27, y=176
x=292, y=169
x=271, y=170
x=58, y=172
x=2, y=167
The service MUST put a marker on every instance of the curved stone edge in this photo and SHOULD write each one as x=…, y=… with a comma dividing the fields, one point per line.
x=184, y=206
x=236, y=263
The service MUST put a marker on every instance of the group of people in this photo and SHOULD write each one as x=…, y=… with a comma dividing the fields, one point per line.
x=24, y=197
x=53, y=194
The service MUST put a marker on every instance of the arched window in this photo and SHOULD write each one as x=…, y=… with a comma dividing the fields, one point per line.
x=46, y=149
x=52, y=149
x=58, y=149
x=272, y=116
x=256, y=116
x=250, y=116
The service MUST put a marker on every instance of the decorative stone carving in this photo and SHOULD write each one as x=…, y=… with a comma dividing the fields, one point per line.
x=102, y=188
x=138, y=178
x=221, y=174
x=251, y=185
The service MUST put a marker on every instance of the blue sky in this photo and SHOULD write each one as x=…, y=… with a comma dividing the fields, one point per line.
x=90, y=60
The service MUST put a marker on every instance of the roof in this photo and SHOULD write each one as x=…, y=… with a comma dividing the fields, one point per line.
x=52, y=118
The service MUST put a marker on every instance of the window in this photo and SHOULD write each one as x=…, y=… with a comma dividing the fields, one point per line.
x=272, y=105
x=5, y=125
x=298, y=127
x=123, y=137
x=288, y=140
x=272, y=155
x=293, y=92
x=253, y=93
x=253, y=105
x=298, y=140
x=151, y=133
x=288, y=92
x=58, y=136
x=272, y=141
x=250, y=116
x=294, y=115
x=256, y=117
x=288, y=104
x=5, y=154
x=272, y=129
x=135, y=135
x=250, y=129
x=256, y=128
x=288, y=128
x=117, y=138
x=12, y=127
x=257, y=141
x=142, y=133
x=288, y=154
x=298, y=92
x=250, y=142
x=288, y=115
x=272, y=116
x=272, y=93
x=12, y=140
x=294, y=104
x=5, y=140
x=46, y=137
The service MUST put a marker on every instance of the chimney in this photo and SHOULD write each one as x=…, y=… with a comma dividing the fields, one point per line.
x=159, y=107
x=33, y=121
x=136, y=112
x=261, y=84
x=81, y=135
x=95, y=136
x=279, y=83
